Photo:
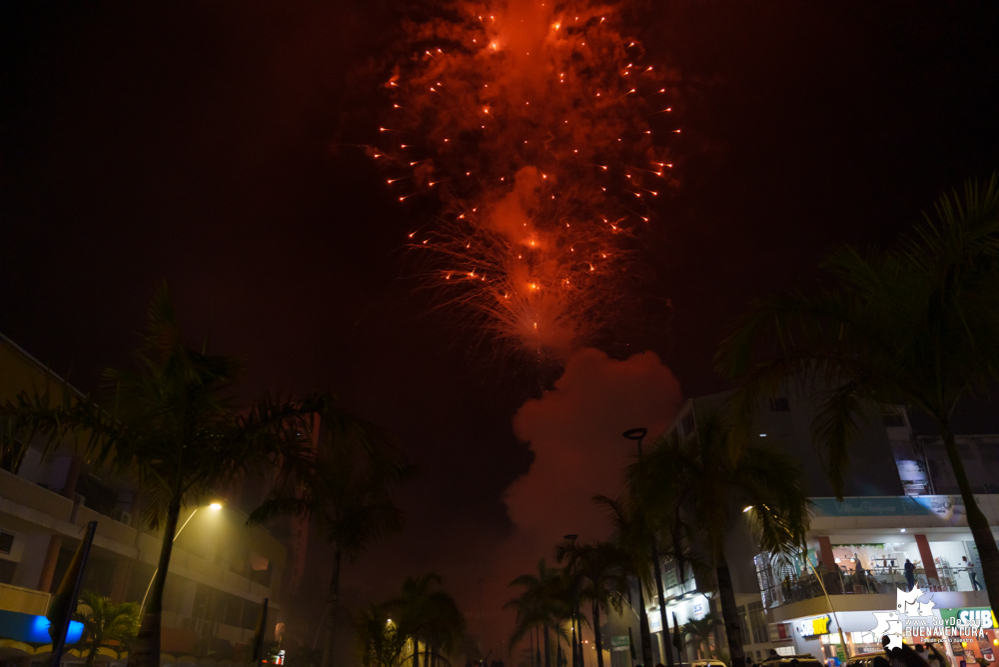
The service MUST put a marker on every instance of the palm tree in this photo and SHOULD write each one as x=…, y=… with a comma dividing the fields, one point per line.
x=602, y=568
x=379, y=640
x=430, y=615
x=630, y=532
x=347, y=497
x=106, y=622
x=169, y=422
x=543, y=604
x=916, y=325
x=701, y=631
x=715, y=475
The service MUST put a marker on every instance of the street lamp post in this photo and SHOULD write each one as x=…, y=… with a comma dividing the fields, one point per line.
x=213, y=507
x=638, y=435
x=577, y=643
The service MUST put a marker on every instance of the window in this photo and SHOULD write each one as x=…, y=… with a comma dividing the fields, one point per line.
x=669, y=575
x=6, y=542
x=780, y=404
x=743, y=624
x=7, y=568
x=96, y=495
x=758, y=623
x=893, y=420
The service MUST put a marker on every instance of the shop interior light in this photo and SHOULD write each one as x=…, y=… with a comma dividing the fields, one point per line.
x=903, y=530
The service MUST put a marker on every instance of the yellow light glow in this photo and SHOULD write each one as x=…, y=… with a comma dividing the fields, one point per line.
x=215, y=506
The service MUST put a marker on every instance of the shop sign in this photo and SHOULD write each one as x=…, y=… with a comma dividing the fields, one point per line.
x=813, y=627
x=655, y=622
x=980, y=617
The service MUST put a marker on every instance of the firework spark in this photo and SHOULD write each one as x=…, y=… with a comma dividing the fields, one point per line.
x=539, y=128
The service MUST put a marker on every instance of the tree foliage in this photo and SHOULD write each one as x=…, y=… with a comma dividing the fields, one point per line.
x=104, y=623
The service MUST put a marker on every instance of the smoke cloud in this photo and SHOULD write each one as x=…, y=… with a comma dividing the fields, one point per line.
x=575, y=432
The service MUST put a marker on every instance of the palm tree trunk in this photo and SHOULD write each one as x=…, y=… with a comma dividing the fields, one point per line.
x=667, y=647
x=145, y=649
x=988, y=552
x=596, y=634
x=92, y=654
x=334, y=599
x=416, y=652
x=643, y=626
x=532, y=648
x=575, y=638
x=548, y=650
x=729, y=615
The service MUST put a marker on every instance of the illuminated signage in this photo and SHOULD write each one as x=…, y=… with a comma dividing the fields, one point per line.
x=813, y=627
x=979, y=617
x=34, y=629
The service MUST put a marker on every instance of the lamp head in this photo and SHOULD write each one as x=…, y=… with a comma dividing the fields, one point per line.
x=570, y=537
x=636, y=433
x=215, y=507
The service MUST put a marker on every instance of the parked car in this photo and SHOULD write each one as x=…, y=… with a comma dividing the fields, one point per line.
x=708, y=663
x=863, y=659
x=800, y=660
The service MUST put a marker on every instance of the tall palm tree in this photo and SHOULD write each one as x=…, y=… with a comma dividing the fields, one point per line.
x=715, y=476
x=347, y=497
x=379, y=640
x=602, y=568
x=169, y=422
x=430, y=615
x=915, y=325
x=702, y=631
x=630, y=532
x=543, y=604
x=107, y=622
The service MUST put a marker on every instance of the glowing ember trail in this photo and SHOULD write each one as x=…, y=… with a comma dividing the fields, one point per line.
x=542, y=131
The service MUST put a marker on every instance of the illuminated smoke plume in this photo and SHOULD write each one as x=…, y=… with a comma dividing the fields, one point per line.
x=541, y=130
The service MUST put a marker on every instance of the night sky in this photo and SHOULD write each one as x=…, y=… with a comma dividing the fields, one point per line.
x=203, y=144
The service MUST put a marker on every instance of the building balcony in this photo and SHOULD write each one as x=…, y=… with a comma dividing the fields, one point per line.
x=800, y=596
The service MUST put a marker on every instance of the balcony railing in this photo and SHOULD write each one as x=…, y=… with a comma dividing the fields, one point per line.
x=866, y=582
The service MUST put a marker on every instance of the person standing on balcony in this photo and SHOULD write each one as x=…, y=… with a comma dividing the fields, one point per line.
x=910, y=575
x=972, y=574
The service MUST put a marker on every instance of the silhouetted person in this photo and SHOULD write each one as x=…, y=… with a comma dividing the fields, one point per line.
x=910, y=575
x=935, y=658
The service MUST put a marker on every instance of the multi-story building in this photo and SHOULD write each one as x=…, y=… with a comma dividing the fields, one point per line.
x=901, y=503
x=220, y=572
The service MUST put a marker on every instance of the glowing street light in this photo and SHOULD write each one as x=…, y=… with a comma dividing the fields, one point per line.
x=216, y=506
